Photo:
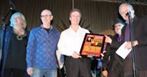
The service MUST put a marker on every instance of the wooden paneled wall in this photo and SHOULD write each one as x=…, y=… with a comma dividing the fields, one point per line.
x=97, y=16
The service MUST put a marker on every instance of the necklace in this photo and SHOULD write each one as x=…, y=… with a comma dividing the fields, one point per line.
x=19, y=37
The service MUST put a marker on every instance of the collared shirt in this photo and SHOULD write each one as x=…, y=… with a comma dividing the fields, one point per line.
x=71, y=41
x=41, y=48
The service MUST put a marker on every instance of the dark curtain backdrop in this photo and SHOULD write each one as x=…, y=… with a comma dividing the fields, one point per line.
x=97, y=16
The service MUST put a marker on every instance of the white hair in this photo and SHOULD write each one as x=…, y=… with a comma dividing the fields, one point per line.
x=13, y=19
x=131, y=10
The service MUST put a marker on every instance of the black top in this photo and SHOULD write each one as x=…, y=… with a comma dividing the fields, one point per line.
x=17, y=52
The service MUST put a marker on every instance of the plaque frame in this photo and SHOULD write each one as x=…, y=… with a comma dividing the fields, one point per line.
x=92, y=45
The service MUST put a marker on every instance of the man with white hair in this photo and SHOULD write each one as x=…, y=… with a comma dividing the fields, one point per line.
x=135, y=36
x=41, y=48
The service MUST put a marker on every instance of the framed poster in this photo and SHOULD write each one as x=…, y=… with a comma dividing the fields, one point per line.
x=92, y=45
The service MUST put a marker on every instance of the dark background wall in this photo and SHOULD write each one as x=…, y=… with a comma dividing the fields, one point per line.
x=97, y=16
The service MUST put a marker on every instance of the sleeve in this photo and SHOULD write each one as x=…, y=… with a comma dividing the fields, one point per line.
x=1, y=44
x=115, y=44
x=142, y=39
x=63, y=48
x=31, y=46
x=60, y=59
x=107, y=57
x=110, y=52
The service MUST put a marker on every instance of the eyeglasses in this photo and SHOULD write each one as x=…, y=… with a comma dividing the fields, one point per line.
x=45, y=15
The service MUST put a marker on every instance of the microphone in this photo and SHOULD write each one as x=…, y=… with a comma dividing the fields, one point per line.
x=12, y=5
x=128, y=13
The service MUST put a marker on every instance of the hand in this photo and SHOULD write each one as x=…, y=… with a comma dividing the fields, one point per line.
x=135, y=43
x=30, y=71
x=105, y=73
x=76, y=55
x=108, y=39
x=128, y=45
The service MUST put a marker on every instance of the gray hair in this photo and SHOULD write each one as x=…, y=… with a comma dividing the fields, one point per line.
x=13, y=19
x=130, y=9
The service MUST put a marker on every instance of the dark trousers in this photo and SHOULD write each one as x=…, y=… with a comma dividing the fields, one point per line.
x=121, y=67
x=77, y=67
x=10, y=72
x=117, y=68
